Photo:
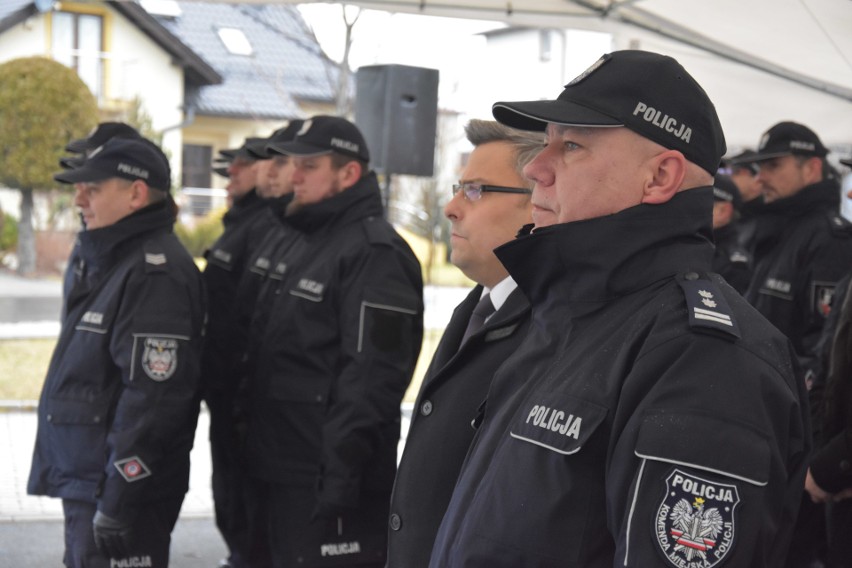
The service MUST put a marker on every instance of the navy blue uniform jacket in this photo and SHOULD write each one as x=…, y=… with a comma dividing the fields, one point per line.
x=650, y=418
x=117, y=415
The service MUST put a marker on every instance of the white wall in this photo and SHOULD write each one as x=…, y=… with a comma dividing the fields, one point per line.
x=139, y=67
x=136, y=67
x=24, y=40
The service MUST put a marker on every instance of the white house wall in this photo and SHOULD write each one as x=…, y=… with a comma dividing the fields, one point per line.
x=27, y=39
x=136, y=67
x=139, y=67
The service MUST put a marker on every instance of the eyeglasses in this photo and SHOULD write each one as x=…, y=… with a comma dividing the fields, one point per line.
x=474, y=191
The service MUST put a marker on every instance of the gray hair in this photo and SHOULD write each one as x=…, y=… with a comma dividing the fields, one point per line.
x=526, y=144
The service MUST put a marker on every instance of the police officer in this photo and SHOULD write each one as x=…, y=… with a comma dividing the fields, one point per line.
x=265, y=233
x=743, y=172
x=335, y=357
x=829, y=479
x=490, y=204
x=650, y=417
x=227, y=259
x=731, y=259
x=802, y=245
x=117, y=415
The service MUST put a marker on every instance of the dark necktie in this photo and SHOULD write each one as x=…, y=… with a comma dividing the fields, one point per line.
x=477, y=319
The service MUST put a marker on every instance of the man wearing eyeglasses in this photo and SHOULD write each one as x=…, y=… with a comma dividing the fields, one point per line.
x=489, y=205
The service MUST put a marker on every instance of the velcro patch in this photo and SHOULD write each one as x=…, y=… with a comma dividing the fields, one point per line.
x=160, y=357
x=694, y=525
x=132, y=469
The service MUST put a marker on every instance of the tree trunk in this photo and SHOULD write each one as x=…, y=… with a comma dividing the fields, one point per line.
x=26, y=236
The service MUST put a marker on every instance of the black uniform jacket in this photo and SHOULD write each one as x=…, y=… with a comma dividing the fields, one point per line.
x=732, y=261
x=279, y=246
x=117, y=415
x=454, y=387
x=338, y=350
x=650, y=418
x=802, y=248
x=831, y=464
x=226, y=263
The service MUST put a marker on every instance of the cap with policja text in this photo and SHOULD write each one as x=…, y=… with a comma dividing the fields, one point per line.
x=326, y=134
x=724, y=189
x=100, y=134
x=786, y=138
x=131, y=159
x=649, y=93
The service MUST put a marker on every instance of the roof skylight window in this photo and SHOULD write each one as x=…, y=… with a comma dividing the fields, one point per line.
x=235, y=41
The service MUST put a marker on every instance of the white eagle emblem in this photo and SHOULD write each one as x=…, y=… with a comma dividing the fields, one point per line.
x=695, y=529
x=695, y=522
x=160, y=357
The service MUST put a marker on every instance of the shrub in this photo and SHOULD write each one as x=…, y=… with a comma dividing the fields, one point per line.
x=8, y=233
x=201, y=236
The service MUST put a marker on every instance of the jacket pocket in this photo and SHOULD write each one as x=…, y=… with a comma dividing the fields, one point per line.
x=79, y=412
x=560, y=425
x=78, y=436
x=738, y=451
x=540, y=500
x=303, y=391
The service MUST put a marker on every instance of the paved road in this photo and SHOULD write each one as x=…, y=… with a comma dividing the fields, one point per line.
x=38, y=544
x=31, y=528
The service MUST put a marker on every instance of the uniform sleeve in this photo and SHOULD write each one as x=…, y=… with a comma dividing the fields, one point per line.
x=157, y=348
x=831, y=465
x=381, y=325
x=826, y=267
x=711, y=467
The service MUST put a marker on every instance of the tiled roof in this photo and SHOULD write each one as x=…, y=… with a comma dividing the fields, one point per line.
x=286, y=64
x=15, y=11
x=198, y=72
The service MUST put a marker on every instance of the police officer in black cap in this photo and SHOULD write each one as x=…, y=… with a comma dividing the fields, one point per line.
x=227, y=260
x=829, y=480
x=802, y=244
x=336, y=354
x=651, y=417
x=117, y=414
x=731, y=259
x=249, y=223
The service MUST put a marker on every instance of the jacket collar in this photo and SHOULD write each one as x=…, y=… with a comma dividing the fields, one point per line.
x=242, y=208
x=597, y=260
x=100, y=248
x=364, y=199
x=824, y=195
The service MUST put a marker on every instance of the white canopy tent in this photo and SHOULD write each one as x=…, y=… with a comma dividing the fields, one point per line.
x=761, y=61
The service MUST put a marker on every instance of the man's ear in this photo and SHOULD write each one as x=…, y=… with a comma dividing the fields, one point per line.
x=667, y=172
x=138, y=194
x=350, y=174
x=813, y=170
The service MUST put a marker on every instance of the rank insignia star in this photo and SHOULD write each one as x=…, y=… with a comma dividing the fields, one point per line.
x=708, y=303
x=705, y=294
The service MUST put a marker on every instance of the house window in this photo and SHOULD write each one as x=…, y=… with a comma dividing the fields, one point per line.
x=78, y=43
x=235, y=41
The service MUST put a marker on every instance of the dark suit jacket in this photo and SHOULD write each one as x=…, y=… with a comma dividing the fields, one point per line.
x=454, y=388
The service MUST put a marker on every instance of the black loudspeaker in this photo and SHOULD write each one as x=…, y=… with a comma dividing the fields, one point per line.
x=396, y=108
